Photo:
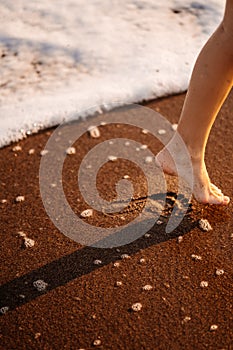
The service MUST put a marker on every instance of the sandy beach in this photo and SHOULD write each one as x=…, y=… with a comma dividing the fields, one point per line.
x=163, y=291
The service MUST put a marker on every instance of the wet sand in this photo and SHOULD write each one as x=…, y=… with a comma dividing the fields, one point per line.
x=86, y=303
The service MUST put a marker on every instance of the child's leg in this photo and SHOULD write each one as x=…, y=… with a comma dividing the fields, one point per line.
x=211, y=81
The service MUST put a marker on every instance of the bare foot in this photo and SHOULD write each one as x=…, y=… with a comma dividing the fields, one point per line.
x=203, y=190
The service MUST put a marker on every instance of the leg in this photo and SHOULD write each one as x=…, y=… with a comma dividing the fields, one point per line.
x=211, y=81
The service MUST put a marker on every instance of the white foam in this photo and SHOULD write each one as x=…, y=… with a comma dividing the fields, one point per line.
x=63, y=60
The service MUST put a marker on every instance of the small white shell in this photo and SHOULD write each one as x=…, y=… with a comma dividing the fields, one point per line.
x=143, y=147
x=118, y=284
x=147, y=235
x=17, y=148
x=219, y=272
x=112, y=158
x=186, y=319
x=204, y=284
x=159, y=222
x=145, y=131
x=97, y=262
x=4, y=309
x=44, y=152
x=21, y=234
x=94, y=131
x=161, y=131
x=70, y=150
x=3, y=201
x=196, y=257
x=28, y=242
x=31, y=151
x=213, y=327
x=125, y=256
x=180, y=239
x=147, y=287
x=40, y=285
x=136, y=307
x=205, y=225
x=126, y=177
x=174, y=127
x=97, y=342
x=149, y=159
x=20, y=199
x=87, y=213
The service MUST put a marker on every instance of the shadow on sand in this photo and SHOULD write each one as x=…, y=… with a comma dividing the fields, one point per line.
x=67, y=268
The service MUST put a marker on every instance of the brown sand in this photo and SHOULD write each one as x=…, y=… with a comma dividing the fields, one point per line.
x=82, y=302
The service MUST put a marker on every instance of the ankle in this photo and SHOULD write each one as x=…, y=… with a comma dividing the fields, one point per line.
x=177, y=146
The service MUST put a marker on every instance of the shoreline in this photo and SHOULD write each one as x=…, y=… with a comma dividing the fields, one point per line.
x=85, y=301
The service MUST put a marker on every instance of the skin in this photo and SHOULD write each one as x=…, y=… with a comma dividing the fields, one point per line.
x=211, y=82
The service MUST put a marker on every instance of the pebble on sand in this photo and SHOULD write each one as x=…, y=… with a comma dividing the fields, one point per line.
x=174, y=127
x=125, y=256
x=44, y=152
x=142, y=261
x=94, y=131
x=17, y=148
x=204, y=225
x=21, y=234
x=126, y=177
x=87, y=213
x=149, y=159
x=112, y=158
x=159, y=222
x=143, y=147
x=180, y=239
x=4, y=310
x=31, y=151
x=145, y=131
x=28, y=242
x=97, y=342
x=136, y=307
x=213, y=327
x=147, y=235
x=219, y=272
x=70, y=150
x=116, y=264
x=20, y=199
x=161, y=131
x=37, y=335
x=118, y=284
x=97, y=262
x=3, y=201
x=204, y=284
x=186, y=319
x=147, y=287
x=40, y=285
x=196, y=257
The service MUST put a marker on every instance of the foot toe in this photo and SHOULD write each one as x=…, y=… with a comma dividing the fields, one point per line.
x=215, y=189
x=226, y=200
x=219, y=199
